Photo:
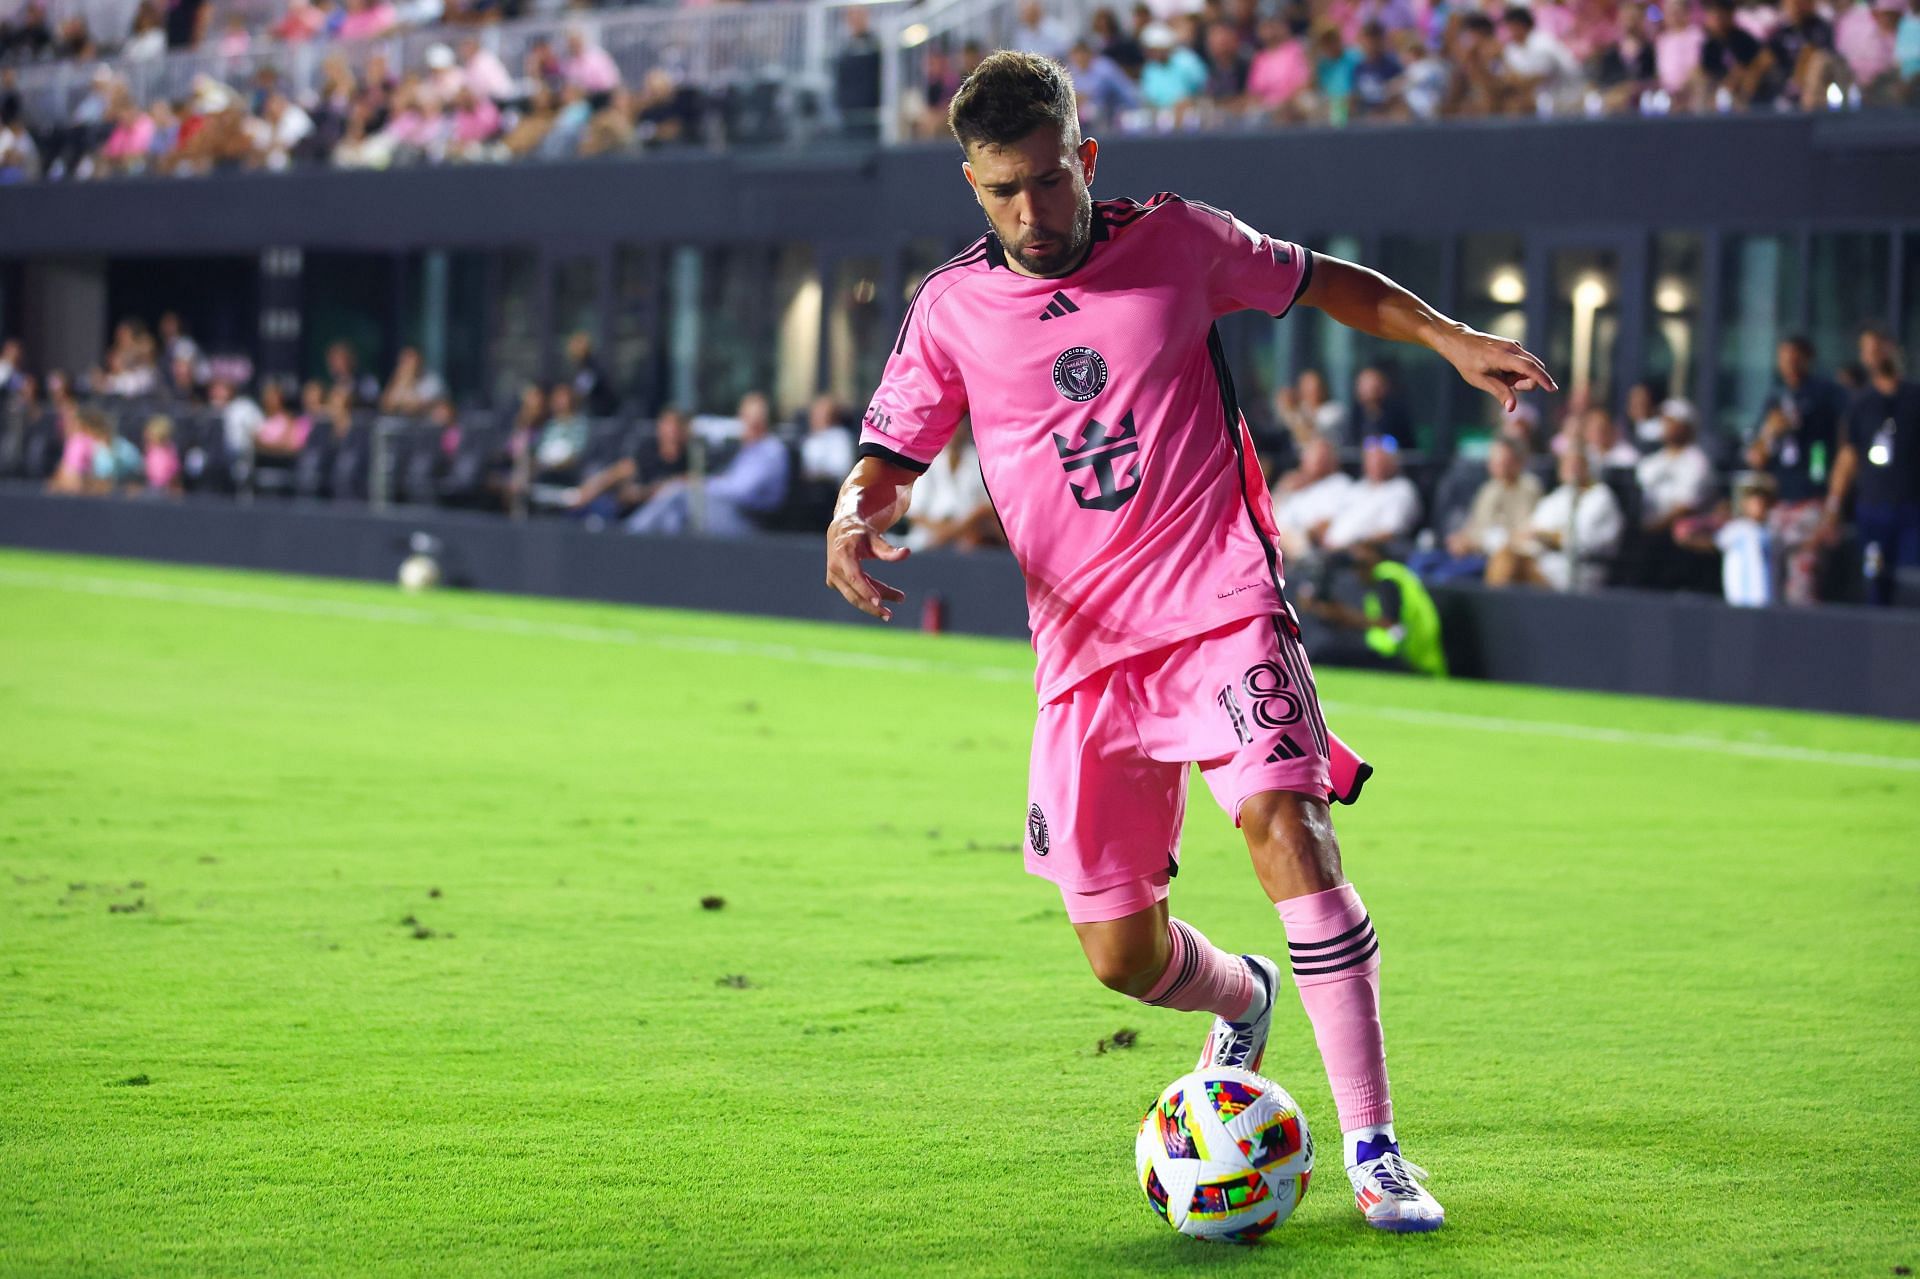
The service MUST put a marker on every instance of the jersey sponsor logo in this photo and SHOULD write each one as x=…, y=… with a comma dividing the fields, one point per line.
x=1080, y=373
x=1097, y=450
x=1037, y=830
x=1061, y=305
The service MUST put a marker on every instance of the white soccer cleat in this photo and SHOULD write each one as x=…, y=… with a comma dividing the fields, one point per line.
x=1243, y=1043
x=1387, y=1190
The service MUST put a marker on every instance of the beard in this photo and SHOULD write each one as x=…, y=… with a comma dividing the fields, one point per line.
x=1065, y=257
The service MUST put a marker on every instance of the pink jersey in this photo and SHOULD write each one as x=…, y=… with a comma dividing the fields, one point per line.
x=1105, y=420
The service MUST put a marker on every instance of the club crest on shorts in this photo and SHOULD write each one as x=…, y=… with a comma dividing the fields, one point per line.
x=1037, y=830
x=1080, y=373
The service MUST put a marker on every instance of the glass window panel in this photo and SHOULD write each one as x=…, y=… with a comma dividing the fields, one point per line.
x=1848, y=282
x=466, y=322
x=516, y=338
x=576, y=307
x=1759, y=288
x=858, y=336
x=632, y=346
x=1910, y=304
x=1493, y=295
x=1673, y=308
x=736, y=324
x=1332, y=347
x=1419, y=377
x=797, y=299
x=1584, y=321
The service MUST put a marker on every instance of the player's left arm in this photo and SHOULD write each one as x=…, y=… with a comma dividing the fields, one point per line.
x=1364, y=299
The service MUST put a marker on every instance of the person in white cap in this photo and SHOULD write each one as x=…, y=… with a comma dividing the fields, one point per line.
x=1676, y=478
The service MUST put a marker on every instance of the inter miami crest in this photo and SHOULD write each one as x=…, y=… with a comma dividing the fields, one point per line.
x=1079, y=373
x=1101, y=449
x=1037, y=830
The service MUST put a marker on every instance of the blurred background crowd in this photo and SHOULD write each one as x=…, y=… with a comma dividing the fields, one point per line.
x=189, y=87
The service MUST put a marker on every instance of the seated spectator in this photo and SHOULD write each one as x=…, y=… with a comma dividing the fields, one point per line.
x=616, y=491
x=303, y=21
x=588, y=380
x=412, y=387
x=1306, y=499
x=476, y=124
x=563, y=440
x=240, y=417
x=282, y=433
x=1308, y=410
x=1500, y=516
x=1734, y=66
x=610, y=130
x=1281, y=75
x=1424, y=77
x=1376, y=78
x=1676, y=479
x=1104, y=91
x=444, y=78
x=950, y=502
x=1601, y=437
x=1040, y=33
x=148, y=38
x=510, y=471
x=1378, y=411
x=1116, y=42
x=486, y=75
x=75, y=474
x=588, y=67
x=1542, y=75
x=1397, y=626
x=1625, y=70
x=1570, y=538
x=1906, y=46
x=1227, y=67
x=562, y=140
x=446, y=424
x=279, y=131
x=160, y=460
x=752, y=487
x=1804, y=62
x=827, y=449
x=1174, y=74
x=343, y=374
x=1382, y=507
x=367, y=19
x=1334, y=69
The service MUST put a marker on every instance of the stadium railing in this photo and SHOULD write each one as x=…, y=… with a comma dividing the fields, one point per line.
x=795, y=43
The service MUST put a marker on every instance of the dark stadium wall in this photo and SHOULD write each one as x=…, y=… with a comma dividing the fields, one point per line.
x=1754, y=171
x=1840, y=659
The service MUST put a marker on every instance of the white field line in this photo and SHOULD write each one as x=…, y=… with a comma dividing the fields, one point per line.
x=131, y=588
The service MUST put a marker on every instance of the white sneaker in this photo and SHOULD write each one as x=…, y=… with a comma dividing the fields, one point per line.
x=1387, y=1190
x=1244, y=1043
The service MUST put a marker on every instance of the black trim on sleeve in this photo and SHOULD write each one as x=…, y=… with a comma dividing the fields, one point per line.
x=1306, y=278
x=900, y=460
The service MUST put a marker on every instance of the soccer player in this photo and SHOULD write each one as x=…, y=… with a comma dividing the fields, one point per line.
x=1080, y=337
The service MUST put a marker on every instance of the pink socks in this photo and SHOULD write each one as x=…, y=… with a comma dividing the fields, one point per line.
x=1201, y=977
x=1336, y=965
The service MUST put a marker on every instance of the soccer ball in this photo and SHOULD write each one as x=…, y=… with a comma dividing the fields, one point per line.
x=419, y=573
x=1224, y=1154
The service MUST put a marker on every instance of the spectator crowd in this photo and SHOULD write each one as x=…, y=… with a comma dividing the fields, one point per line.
x=1644, y=498
x=1819, y=499
x=1165, y=64
x=161, y=418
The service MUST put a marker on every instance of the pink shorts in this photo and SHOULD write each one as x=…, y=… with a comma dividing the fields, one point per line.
x=1107, y=788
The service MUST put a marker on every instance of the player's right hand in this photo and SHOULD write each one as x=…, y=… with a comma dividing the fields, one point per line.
x=849, y=541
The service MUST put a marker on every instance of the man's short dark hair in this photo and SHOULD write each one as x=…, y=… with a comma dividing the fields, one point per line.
x=1799, y=342
x=1008, y=96
x=1518, y=15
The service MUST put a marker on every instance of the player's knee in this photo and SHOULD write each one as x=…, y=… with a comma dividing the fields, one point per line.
x=1291, y=837
x=1129, y=970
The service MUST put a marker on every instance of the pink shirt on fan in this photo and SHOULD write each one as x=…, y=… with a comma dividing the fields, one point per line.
x=1105, y=423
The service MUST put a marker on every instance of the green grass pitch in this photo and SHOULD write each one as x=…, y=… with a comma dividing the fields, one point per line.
x=347, y=933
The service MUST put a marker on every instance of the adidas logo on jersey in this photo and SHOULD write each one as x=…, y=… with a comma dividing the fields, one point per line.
x=1061, y=305
x=1285, y=750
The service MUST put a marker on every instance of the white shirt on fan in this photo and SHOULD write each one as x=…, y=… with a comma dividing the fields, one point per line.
x=1369, y=511
x=1590, y=528
x=951, y=489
